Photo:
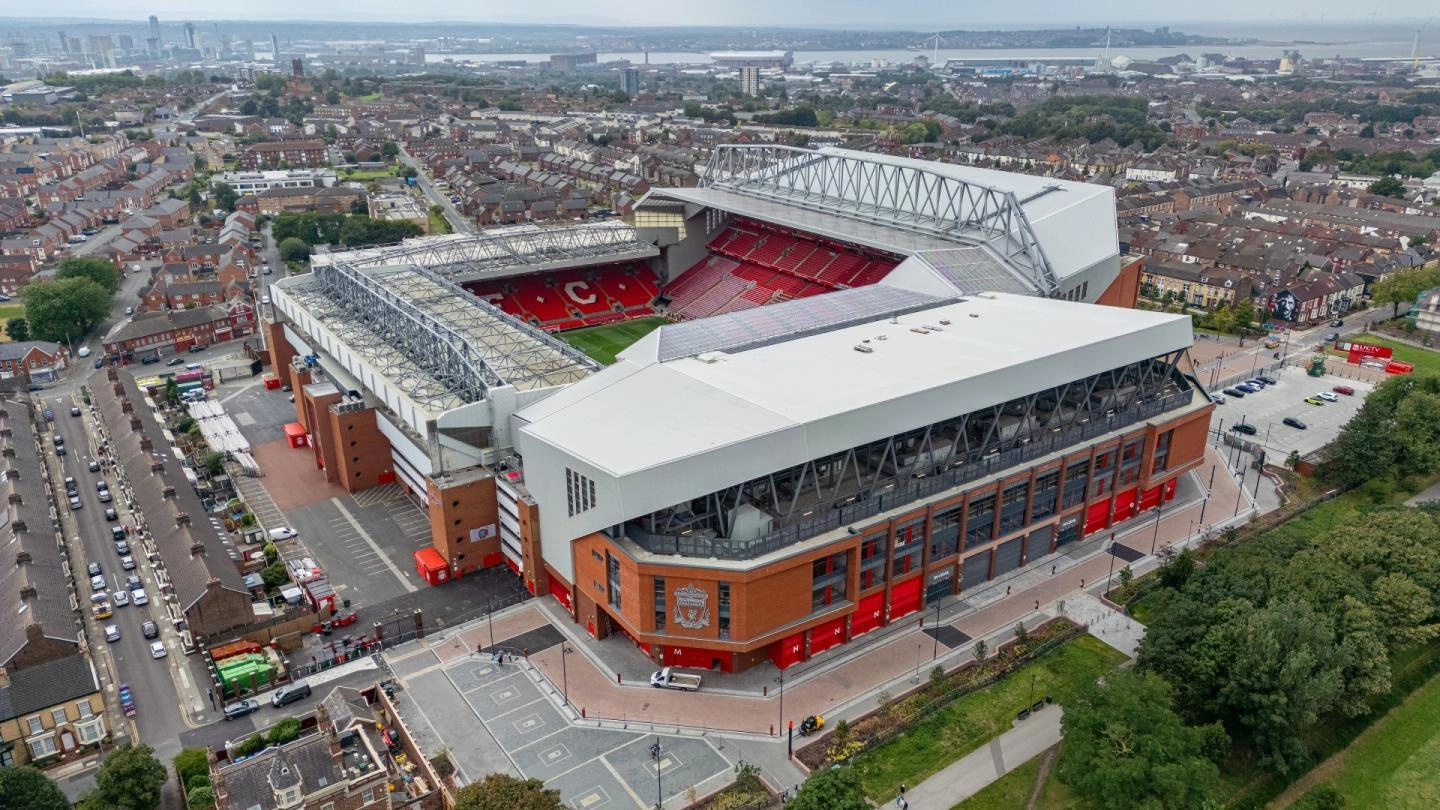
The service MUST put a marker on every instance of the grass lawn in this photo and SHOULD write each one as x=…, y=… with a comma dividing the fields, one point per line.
x=1425, y=361
x=604, y=342
x=360, y=175
x=1013, y=790
x=970, y=722
x=8, y=311
x=438, y=223
x=1395, y=762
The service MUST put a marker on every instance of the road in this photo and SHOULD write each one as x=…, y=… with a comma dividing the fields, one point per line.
x=458, y=221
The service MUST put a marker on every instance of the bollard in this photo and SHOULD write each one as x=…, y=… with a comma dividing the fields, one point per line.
x=764, y=691
x=582, y=712
x=617, y=679
x=772, y=729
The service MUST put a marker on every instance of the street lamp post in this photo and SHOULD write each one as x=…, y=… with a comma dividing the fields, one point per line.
x=1159, y=508
x=781, y=680
x=1209, y=489
x=1112, y=564
x=565, y=651
x=936, y=654
x=655, y=752
x=489, y=612
x=916, y=679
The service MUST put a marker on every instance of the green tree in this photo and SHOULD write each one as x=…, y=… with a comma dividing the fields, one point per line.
x=390, y=149
x=17, y=329
x=130, y=778
x=24, y=786
x=502, y=792
x=100, y=271
x=191, y=762
x=1244, y=313
x=284, y=731
x=64, y=309
x=293, y=249
x=1388, y=187
x=1124, y=746
x=214, y=463
x=832, y=789
x=224, y=195
x=200, y=798
x=274, y=575
x=1403, y=287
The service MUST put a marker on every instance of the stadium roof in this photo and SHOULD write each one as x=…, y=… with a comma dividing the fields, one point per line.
x=1048, y=229
x=438, y=344
x=501, y=252
x=734, y=408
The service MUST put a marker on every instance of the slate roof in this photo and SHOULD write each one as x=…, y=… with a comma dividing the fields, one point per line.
x=44, y=685
x=247, y=783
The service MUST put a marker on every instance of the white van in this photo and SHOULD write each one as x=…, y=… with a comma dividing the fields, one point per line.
x=84, y=351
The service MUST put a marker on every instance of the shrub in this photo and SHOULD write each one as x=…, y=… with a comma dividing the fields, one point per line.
x=285, y=731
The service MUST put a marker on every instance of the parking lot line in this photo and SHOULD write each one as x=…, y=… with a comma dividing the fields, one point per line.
x=355, y=524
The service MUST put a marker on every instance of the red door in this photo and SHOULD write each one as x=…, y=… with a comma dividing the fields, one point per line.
x=827, y=635
x=788, y=650
x=905, y=598
x=560, y=592
x=1150, y=498
x=1097, y=517
x=1125, y=505
x=870, y=614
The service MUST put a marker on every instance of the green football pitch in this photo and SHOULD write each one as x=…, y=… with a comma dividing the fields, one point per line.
x=604, y=342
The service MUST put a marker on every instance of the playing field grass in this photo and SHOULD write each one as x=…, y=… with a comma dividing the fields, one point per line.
x=1394, y=763
x=604, y=342
x=8, y=311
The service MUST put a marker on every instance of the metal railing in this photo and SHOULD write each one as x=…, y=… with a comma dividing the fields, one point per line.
x=899, y=493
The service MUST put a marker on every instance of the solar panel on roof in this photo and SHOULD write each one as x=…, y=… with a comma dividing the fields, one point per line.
x=753, y=328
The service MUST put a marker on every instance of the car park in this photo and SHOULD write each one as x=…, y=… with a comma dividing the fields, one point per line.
x=1328, y=397
x=1314, y=401
x=1234, y=392
x=1344, y=389
x=150, y=630
x=121, y=599
x=240, y=708
x=157, y=648
x=1242, y=427
x=127, y=563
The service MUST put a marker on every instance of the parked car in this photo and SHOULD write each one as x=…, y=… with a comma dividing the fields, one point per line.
x=198, y=347
x=133, y=583
x=1344, y=389
x=127, y=563
x=138, y=594
x=157, y=648
x=94, y=465
x=175, y=361
x=1257, y=383
x=1293, y=422
x=111, y=514
x=1249, y=389
x=122, y=547
x=112, y=633
x=1314, y=401
x=240, y=708
x=121, y=599
x=75, y=503
x=148, y=359
x=97, y=583
x=1217, y=399
x=1331, y=337
x=1268, y=380
x=1337, y=322
x=74, y=410
x=1242, y=427
x=296, y=690
x=150, y=630
x=93, y=570
x=127, y=700
x=1234, y=392
x=1328, y=397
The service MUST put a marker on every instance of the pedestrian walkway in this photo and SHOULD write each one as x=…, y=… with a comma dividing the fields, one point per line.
x=973, y=772
x=1106, y=623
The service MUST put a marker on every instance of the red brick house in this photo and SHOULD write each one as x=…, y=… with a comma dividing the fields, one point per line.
x=296, y=154
x=33, y=361
x=15, y=272
x=175, y=331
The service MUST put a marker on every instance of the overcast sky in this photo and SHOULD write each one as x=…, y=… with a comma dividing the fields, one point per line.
x=916, y=14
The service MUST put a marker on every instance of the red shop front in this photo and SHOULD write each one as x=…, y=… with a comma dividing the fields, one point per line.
x=787, y=651
x=827, y=635
x=905, y=598
x=869, y=615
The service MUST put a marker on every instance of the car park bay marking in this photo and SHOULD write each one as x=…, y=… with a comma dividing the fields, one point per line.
x=370, y=541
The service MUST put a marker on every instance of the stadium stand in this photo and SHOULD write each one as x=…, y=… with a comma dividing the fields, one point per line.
x=753, y=264
x=574, y=298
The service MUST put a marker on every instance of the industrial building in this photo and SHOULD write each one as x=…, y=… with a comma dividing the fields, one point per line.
x=884, y=382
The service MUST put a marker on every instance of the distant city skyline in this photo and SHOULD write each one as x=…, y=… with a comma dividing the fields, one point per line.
x=922, y=15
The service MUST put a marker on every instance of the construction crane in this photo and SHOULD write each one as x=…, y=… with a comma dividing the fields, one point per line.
x=1415, y=47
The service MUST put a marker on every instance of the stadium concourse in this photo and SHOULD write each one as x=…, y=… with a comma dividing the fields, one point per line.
x=842, y=408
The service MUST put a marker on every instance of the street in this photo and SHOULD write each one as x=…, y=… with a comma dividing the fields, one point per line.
x=458, y=221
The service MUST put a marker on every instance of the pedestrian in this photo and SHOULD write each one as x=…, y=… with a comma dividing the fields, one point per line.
x=1052, y=570
x=1037, y=604
x=1082, y=582
x=1007, y=590
x=902, y=788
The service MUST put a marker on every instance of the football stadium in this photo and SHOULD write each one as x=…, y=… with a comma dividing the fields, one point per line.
x=817, y=392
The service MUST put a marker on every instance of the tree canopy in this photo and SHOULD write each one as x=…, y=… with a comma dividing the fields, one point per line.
x=17, y=329
x=100, y=271
x=24, y=786
x=130, y=778
x=1124, y=746
x=1368, y=451
x=1403, y=287
x=833, y=789
x=351, y=230
x=224, y=196
x=64, y=309
x=501, y=792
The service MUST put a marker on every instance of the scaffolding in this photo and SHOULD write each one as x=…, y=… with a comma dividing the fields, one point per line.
x=874, y=189
x=440, y=345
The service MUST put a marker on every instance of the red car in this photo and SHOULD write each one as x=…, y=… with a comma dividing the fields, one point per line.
x=1344, y=389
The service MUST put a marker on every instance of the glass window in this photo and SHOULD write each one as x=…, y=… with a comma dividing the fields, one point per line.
x=1012, y=506
x=612, y=567
x=659, y=591
x=57, y=716
x=43, y=747
x=1042, y=504
x=945, y=531
x=828, y=580
x=35, y=724
x=92, y=731
x=724, y=610
x=979, y=521
x=84, y=708
x=1162, y=451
